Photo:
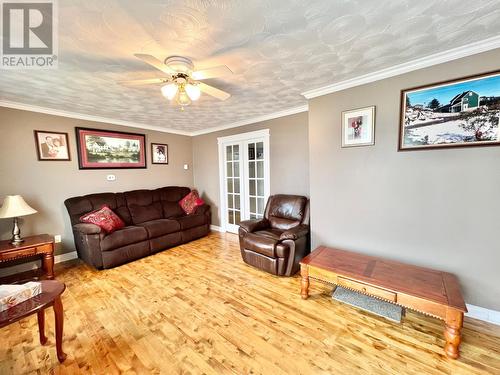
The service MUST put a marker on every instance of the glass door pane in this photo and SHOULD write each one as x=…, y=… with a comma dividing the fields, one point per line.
x=233, y=184
x=256, y=180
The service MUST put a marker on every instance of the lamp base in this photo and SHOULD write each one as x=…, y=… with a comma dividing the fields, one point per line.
x=16, y=234
x=17, y=241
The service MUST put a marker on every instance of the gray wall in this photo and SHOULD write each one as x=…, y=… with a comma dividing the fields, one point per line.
x=436, y=208
x=289, y=158
x=46, y=184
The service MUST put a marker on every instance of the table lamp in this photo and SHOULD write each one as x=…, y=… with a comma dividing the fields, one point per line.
x=15, y=206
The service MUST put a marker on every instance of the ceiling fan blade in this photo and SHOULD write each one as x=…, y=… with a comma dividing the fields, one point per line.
x=216, y=93
x=216, y=71
x=138, y=82
x=153, y=61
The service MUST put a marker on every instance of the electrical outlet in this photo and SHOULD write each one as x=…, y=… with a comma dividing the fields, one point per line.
x=111, y=177
x=57, y=238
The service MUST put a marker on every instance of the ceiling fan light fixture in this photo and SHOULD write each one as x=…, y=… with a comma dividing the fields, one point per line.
x=193, y=91
x=169, y=91
x=183, y=98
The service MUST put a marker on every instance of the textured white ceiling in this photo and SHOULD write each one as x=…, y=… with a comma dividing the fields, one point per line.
x=276, y=48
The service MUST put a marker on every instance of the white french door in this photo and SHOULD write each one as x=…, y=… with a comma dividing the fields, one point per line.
x=244, y=177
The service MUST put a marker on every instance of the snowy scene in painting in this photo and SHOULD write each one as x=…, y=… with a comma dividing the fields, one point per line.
x=464, y=112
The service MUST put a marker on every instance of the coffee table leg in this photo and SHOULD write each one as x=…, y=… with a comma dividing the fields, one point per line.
x=304, y=282
x=454, y=323
x=48, y=265
x=59, y=320
x=41, y=326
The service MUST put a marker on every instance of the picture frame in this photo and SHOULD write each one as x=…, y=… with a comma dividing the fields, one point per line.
x=159, y=153
x=52, y=146
x=463, y=112
x=358, y=127
x=104, y=149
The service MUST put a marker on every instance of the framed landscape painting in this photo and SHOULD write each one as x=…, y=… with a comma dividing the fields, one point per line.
x=102, y=149
x=458, y=113
x=51, y=145
x=358, y=127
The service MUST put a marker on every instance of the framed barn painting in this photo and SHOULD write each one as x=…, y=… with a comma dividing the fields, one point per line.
x=458, y=113
x=52, y=145
x=358, y=127
x=102, y=149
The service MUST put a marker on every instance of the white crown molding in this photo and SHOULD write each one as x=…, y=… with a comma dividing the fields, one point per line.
x=253, y=120
x=81, y=116
x=424, y=62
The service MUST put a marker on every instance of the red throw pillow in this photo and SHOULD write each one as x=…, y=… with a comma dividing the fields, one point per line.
x=104, y=218
x=191, y=201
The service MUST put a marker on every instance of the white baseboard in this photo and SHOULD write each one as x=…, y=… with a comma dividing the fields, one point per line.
x=486, y=315
x=215, y=228
x=29, y=266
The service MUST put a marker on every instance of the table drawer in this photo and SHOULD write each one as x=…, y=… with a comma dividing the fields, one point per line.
x=367, y=289
x=21, y=253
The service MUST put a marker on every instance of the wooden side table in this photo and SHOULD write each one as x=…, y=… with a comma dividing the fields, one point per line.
x=40, y=245
x=50, y=296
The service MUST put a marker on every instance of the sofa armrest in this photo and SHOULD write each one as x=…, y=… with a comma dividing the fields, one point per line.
x=254, y=225
x=87, y=228
x=203, y=209
x=295, y=233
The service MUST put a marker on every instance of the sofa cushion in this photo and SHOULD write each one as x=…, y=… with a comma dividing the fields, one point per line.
x=141, y=214
x=172, y=209
x=123, y=237
x=104, y=218
x=172, y=193
x=78, y=206
x=286, y=211
x=191, y=221
x=266, y=242
x=260, y=244
x=160, y=227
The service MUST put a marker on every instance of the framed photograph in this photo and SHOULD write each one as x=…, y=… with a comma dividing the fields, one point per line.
x=358, y=127
x=460, y=113
x=51, y=145
x=159, y=153
x=102, y=149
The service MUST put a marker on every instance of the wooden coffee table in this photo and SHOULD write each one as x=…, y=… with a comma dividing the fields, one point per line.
x=50, y=296
x=424, y=290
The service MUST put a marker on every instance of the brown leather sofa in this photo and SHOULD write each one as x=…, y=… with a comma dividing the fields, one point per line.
x=153, y=218
x=278, y=242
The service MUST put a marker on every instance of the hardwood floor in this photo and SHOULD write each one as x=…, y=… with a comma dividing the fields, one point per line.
x=199, y=309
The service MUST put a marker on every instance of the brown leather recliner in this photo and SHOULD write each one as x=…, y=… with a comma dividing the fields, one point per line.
x=278, y=242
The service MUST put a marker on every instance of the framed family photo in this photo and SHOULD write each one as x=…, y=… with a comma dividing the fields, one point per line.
x=460, y=113
x=102, y=149
x=358, y=127
x=159, y=153
x=51, y=145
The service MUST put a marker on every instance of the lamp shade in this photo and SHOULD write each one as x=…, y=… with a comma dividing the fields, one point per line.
x=15, y=206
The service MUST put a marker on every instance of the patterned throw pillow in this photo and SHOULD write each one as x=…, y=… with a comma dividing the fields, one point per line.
x=104, y=218
x=191, y=201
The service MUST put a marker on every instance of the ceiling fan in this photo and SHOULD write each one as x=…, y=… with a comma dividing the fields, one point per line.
x=182, y=84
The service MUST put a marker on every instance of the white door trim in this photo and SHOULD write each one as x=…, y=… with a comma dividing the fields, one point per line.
x=242, y=137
